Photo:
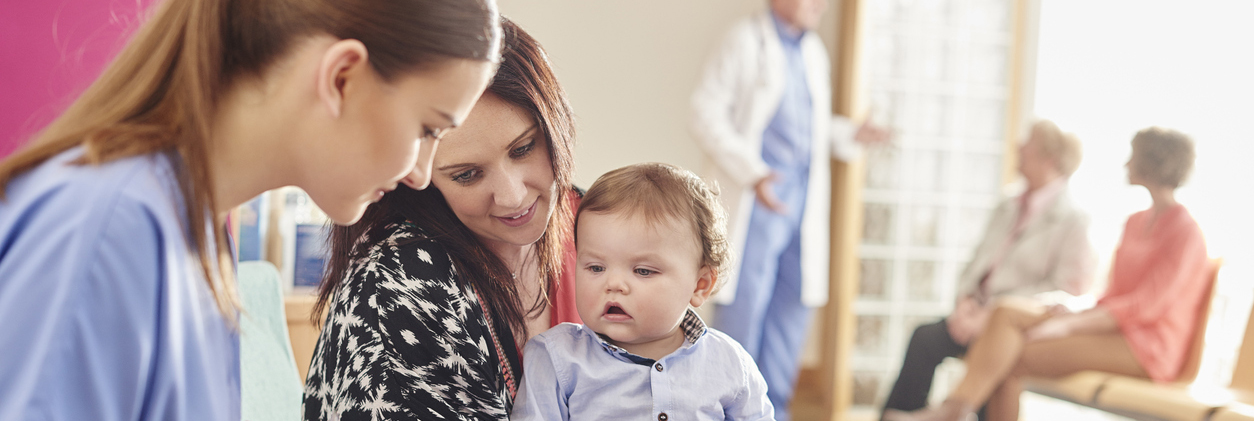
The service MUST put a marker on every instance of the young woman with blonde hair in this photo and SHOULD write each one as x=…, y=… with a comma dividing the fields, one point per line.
x=115, y=268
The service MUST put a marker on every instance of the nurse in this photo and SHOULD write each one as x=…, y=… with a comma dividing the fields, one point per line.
x=116, y=283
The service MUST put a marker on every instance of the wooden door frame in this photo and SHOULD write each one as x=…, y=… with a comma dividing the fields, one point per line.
x=829, y=387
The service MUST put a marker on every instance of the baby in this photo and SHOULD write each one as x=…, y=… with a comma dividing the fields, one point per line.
x=652, y=245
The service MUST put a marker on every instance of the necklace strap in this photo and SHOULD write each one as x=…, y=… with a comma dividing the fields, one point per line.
x=509, y=362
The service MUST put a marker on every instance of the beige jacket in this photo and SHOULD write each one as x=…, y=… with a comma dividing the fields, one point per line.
x=1053, y=253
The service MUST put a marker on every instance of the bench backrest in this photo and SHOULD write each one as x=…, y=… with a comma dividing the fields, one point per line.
x=1191, y=366
x=1243, y=373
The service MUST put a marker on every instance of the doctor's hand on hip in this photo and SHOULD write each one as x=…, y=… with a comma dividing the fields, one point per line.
x=766, y=194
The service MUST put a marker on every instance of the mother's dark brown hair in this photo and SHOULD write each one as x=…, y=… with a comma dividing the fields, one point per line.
x=524, y=80
x=161, y=92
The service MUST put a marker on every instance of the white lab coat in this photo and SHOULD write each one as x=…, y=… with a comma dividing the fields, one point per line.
x=736, y=98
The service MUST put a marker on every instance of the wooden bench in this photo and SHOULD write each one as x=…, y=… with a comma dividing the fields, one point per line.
x=1242, y=385
x=1234, y=412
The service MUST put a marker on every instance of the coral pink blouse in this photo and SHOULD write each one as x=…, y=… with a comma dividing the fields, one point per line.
x=1157, y=283
x=563, y=295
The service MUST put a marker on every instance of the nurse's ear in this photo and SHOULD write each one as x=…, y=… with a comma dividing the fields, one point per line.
x=343, y=67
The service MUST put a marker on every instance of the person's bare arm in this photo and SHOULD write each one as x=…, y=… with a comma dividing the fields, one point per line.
x=1092, y=321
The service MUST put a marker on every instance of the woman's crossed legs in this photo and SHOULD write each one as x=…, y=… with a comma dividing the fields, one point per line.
x=999, y=358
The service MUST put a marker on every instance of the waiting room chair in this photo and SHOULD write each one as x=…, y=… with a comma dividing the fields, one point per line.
x=1141, y=398
x=271, y=387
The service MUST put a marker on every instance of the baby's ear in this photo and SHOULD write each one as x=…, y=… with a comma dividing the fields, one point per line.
x=706, y=279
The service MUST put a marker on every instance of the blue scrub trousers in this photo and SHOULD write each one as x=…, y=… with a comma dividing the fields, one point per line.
x=767, y=316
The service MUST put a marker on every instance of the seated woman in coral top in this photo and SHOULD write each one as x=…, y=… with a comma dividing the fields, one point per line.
x=1142, y=325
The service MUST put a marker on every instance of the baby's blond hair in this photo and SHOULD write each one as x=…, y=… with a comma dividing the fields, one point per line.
x=659, y=191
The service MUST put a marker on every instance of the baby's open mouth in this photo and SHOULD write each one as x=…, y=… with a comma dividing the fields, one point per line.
x=615, y=312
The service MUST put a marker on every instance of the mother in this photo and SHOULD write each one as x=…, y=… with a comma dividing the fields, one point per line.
x=433, y=292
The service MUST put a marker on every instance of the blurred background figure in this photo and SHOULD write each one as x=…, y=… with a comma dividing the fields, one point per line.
x=1035, y=242
x=763, y=116
x=1142, y=325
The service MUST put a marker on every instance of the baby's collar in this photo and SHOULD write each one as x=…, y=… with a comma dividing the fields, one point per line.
x=692, y=326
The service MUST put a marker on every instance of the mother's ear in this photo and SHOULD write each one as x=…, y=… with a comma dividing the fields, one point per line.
x=345, y=62
x=708, y=277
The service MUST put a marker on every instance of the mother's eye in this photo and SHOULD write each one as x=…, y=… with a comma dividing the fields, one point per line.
x=523, y=150
x=465, y=177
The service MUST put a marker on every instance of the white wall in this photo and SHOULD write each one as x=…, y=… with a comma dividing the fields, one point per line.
x=1109, y=68
x=629, y=67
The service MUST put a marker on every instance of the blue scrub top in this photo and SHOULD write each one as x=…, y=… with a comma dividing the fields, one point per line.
x=104, y=311
x=788, y=138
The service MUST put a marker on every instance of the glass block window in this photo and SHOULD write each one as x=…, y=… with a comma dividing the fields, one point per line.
x=938, y=74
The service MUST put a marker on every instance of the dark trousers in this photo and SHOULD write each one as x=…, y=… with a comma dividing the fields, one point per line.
x=929, y=346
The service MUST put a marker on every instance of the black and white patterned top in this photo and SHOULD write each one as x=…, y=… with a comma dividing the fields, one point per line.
x=404, y=341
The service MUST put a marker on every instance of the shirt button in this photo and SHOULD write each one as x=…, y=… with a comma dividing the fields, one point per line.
x=658, y=366
x=662, y=416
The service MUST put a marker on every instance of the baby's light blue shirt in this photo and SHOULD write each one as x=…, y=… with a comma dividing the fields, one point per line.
x=570, y=372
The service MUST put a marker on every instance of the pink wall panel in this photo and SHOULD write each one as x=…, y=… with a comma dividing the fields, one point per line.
x=50, y=50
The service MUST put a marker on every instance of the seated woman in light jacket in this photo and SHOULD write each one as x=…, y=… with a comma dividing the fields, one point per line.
x=1035, y=242
x=1140, y=328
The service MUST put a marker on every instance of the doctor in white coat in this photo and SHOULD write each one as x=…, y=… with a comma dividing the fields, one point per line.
x=763, y=118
